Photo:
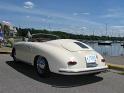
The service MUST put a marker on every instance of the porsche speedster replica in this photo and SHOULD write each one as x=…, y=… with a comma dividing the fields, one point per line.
x=62, y=56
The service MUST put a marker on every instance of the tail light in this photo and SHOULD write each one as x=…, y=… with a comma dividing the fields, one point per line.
x=70, y=63
x=102, y=60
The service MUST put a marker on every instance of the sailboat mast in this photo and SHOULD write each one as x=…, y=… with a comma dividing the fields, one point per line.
x=106, y=29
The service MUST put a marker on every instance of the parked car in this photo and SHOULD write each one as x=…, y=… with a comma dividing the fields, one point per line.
x=62, y=56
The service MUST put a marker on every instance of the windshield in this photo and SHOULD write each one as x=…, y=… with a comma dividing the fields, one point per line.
x=41, y=37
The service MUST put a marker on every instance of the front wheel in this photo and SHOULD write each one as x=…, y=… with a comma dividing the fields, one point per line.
x=41, y=66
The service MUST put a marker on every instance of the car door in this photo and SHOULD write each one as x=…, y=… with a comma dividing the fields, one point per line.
x=27, y=53
x=23, y=52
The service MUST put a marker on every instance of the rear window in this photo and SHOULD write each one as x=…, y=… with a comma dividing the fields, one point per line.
x=81, y=45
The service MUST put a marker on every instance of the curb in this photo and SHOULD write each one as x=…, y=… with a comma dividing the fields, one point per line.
x=115, y=67
x=5, y=52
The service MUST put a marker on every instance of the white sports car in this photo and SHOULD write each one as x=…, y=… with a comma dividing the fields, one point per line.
x=62, y=56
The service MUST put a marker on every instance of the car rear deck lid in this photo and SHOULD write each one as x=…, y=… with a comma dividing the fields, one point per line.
x=75, y=46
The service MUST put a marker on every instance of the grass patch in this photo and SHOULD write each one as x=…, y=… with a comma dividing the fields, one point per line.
x=116, y=67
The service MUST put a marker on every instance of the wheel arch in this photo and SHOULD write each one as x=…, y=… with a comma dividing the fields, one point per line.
x=54, y=56
x=35, y=58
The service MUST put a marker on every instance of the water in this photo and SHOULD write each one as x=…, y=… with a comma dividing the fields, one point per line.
x=108, y=50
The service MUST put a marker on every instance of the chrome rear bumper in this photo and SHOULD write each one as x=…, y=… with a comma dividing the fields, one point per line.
x=83, y=71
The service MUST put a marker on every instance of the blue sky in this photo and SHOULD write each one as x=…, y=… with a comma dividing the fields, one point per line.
x=73, y=16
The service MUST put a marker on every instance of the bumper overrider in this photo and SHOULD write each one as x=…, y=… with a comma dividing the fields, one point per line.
x=83, y=71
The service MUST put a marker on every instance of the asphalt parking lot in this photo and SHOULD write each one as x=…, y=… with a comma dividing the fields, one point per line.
x=21, y=78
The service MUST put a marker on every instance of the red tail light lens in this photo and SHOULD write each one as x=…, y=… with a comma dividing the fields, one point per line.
x=72, y=63
x=102, y=60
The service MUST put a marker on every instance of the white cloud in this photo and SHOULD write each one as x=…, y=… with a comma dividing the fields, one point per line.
x=110, y=16
x=27, y=16
x=6, y=22
x=43, y=19
x=113, y=13
x=82, y=13
x=118, y=30
x=83, y=28
x=28, y=4
x=85, y=13
x=117, y=26
x=75, y=14
x=50, y=18
x=14, y=8
x=114, y=9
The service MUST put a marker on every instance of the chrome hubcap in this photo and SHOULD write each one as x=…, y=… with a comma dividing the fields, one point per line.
x=40, y=65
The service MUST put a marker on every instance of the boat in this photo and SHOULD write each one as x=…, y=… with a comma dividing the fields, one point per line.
x=104, y=42
x=122, y=44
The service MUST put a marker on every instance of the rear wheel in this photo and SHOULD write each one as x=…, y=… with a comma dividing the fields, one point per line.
x=41, y=66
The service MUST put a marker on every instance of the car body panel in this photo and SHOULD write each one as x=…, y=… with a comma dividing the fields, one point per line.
x=58, y=53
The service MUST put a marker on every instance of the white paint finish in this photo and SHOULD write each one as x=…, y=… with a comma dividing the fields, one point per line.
x=56, y=55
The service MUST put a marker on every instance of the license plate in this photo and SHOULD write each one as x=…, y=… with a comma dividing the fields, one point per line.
x=90, y=58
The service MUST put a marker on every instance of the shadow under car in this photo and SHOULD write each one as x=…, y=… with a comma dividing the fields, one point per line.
x=55, y=80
